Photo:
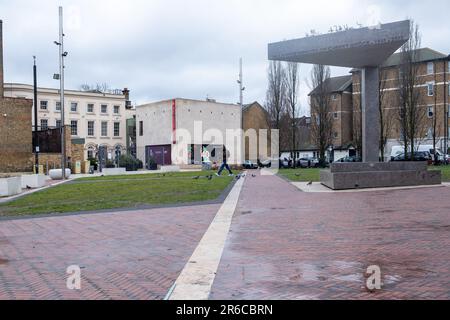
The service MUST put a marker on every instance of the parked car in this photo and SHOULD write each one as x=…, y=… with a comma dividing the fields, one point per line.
x=350, y=159
x=265, y=164
x=418, y=156
x=285, y=163
x=250, y=165
x=308, y=163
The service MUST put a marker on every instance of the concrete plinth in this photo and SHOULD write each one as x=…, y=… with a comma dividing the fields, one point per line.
x=344, y=176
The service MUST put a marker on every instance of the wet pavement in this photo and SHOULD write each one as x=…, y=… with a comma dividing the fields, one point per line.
x=287, y=244
x=283, y=244
x=123, y=255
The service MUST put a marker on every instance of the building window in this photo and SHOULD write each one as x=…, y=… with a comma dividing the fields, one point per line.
x=116, y=109
x=430, y=112
x=430, y=68
x=104, y=129
x=44, y=124
x=90, y=108
x=104, y=108
x=141, y=128
x=334, y=97
x=91, y=128
x=58, y=106
x=58, y=123
x=90, y=154
x=44, y=105
x=336, y=115
x=429, y=133
x=74, y=127
x=73, y=107
x=116, y=129
x=430, y=88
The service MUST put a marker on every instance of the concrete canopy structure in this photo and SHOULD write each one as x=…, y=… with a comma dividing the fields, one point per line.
x=366, y=49
x=353, y=48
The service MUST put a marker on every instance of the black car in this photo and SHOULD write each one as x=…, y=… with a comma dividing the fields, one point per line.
x=350, y=159
x=418, y=156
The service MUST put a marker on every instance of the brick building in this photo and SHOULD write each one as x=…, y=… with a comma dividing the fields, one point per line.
x=15, y=128
x=434, y=100
x=256, y=117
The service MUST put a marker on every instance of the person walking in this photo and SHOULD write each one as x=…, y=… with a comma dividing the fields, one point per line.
x=226, y=155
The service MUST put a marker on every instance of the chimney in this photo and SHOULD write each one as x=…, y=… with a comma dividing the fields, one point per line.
x=126, y=93
x=1, y=59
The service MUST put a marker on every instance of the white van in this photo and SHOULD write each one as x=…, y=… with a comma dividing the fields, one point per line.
x=398, y=150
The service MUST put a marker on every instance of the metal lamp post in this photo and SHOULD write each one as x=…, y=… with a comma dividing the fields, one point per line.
x=62, y=55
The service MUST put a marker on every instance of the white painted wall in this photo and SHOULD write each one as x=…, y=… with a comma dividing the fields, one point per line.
x=157, y=125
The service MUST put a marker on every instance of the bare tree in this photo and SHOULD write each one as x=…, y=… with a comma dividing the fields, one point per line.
x=292, y=87
x=435, y=126
x=276, y=93
x=386, y=119
x=321, y=117
x=411, y=116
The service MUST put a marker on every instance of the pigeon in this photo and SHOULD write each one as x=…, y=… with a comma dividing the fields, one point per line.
x=297, y=174
x=29, y=188
x=196, y=178
x=254, y=175
x=357, y=186
x=210, y=177
x=310, y=183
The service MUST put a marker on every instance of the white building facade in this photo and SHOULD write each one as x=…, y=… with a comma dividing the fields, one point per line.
x=98, y=118
x=188, y=132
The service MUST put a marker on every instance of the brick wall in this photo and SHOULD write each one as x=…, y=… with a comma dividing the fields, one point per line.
x=15, y=135
x=255, y=117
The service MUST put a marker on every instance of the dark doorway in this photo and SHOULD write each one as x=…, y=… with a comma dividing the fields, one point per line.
x=162, y=155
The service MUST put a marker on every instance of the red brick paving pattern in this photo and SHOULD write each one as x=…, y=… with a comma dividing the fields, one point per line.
x=285, y=244
x=126, y=255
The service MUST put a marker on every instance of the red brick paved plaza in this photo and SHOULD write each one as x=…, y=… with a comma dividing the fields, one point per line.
x=283, y=244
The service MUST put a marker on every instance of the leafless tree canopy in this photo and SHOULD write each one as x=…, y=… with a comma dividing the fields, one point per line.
x=321, y=117
x=292, y=87
x=410, y=116
x=386, y=116
x=276, y=93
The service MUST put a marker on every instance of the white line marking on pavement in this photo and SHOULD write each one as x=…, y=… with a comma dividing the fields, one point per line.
x=197, y=277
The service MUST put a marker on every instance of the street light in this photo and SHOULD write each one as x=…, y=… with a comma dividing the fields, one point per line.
x=62, y=55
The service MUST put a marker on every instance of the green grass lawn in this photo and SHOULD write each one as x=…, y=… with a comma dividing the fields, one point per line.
x=306, y=175
x=90, y=194
x=445, y=172
x=301, y=175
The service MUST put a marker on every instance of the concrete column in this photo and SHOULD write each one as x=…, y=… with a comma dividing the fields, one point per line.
x=370, y=114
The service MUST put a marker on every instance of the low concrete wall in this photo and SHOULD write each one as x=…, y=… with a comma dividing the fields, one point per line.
x=170, y=169
x=10, y=186
x=33, y=181
x=345, y=176
x=114, y=171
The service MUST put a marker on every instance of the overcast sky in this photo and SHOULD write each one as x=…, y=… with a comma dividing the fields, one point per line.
x=189, y=49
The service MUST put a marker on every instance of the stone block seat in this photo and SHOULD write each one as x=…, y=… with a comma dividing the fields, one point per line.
x=345, y=176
